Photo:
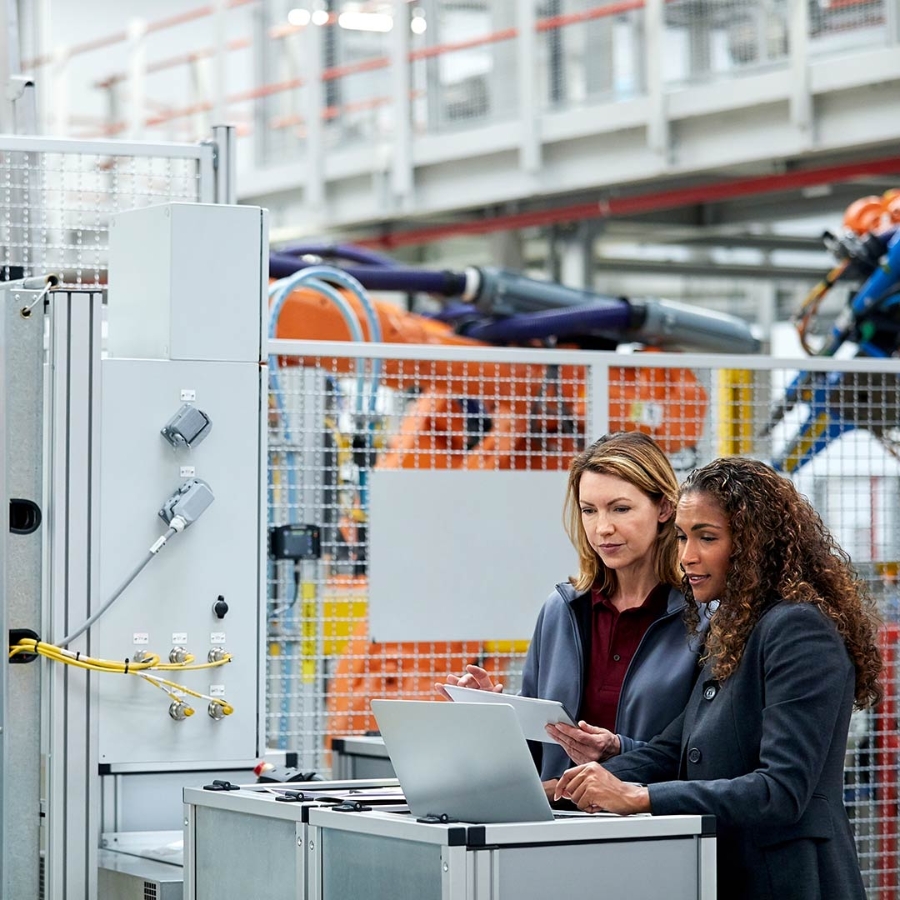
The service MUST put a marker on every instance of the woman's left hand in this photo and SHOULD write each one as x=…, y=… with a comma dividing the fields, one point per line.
x=586, y=743
x=592, y=789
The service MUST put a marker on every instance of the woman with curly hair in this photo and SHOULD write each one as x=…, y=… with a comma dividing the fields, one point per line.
x=760, y=745
x=611, y=643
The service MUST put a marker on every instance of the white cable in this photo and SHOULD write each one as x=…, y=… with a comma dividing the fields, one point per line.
x=151, y=554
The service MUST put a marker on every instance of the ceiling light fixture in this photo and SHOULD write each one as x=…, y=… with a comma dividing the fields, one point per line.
x=361, y=21
x=298, y=17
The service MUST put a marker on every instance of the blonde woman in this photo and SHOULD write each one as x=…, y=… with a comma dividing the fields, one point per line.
x=611, y=643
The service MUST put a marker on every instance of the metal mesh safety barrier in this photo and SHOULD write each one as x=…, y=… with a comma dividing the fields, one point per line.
x=340, y=418
x=58, y=196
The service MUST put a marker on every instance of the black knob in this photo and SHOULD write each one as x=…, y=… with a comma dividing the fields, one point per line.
x=220, y=607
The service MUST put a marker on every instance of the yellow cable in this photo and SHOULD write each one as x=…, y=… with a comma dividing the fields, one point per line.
x=92, y=664
x=60, y=654
x=169, y=667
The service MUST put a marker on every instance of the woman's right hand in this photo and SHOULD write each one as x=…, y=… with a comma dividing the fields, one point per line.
x=586, y=743
x=474, y=677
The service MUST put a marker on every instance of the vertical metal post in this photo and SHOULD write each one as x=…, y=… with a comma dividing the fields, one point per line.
x=224, y=144
x=657, y=122
x=10, y=61
x=220, y=81
x=22, y=417
x=401, y=141
x=6, y=774
x=137, y=77
x=313, y=879
x=892, y=21
x=801, y=95
x=434, y=90
x=526, y=64
x=314, y=188
x=598, y=420
x=188, y=844
x=73, y=794
x=706, y=867
x=737, y=402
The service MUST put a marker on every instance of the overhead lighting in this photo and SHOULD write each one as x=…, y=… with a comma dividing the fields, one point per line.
x=320, y=17
x=361, y=21
x=299, y=17
x=417, y=24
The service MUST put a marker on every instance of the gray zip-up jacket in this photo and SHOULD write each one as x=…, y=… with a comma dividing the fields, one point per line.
x=656, y=686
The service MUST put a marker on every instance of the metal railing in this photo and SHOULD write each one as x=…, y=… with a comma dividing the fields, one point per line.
x=291, y=78
x=58, y=195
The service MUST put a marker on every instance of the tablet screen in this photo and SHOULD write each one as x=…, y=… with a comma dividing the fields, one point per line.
x=533, y=714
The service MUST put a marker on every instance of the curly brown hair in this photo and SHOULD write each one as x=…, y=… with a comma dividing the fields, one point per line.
x=781, y=550
x=636, y=458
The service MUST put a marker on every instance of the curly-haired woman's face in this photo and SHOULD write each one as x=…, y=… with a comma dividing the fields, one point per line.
x=704, y=539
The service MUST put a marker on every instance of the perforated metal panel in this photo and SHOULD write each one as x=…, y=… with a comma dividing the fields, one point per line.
x=57, y=197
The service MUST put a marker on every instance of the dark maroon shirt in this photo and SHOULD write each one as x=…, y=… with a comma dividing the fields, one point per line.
x=615, y=637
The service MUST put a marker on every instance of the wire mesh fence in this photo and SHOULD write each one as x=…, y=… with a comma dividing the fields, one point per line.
x=463, y=63
x=359, y=106
x=463, y=68
x=847, y=24
x=58, y=197
x=337, y=421
x=589, y=52
x=711, y=40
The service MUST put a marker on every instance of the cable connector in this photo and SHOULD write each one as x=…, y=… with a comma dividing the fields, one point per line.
x=187, y=504
x=187, y=427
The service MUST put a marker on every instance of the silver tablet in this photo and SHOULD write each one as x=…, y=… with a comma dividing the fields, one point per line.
x=533, y=714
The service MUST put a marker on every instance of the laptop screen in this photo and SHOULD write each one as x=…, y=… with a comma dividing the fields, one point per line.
x=469, y=761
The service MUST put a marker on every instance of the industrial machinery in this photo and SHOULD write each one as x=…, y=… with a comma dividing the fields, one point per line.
x=489, y=306
x=147, y=651
x=867, y=253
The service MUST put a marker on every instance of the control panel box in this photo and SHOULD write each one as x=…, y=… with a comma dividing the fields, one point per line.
x=185, y=281
x=201, y=595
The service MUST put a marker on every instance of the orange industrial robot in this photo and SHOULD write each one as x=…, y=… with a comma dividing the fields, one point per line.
x=536, y=412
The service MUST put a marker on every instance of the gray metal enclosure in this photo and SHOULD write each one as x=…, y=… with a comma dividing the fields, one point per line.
x=59, y=197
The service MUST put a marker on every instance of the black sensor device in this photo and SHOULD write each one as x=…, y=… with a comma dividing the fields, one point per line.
x=295, y=541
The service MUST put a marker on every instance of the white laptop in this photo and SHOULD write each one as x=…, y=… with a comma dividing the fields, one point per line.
x=468, y=761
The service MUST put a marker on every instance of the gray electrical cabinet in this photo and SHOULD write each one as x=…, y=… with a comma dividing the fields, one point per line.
x=238, y=841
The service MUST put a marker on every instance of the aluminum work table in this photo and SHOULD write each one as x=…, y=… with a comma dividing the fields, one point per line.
x=238, y=841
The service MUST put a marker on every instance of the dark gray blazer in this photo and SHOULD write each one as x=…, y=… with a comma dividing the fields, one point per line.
x=657, y=683
x=764, y=752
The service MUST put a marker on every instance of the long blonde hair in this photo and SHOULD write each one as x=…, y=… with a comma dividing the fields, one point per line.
x=636, y=458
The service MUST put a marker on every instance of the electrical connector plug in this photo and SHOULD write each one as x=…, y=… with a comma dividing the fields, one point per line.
x=187, y=504
x=218, y=710
x=179, y=710
x=187, y=427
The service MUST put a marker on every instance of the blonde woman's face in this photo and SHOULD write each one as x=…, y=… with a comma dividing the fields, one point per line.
x=620, y=521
